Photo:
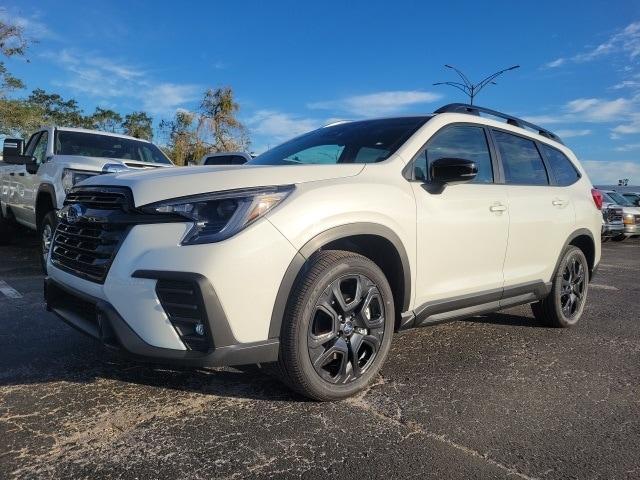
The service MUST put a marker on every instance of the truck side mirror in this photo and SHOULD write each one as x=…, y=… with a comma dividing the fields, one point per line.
x=12, y=149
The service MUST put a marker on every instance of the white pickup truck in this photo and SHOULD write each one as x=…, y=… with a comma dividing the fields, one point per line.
x=35, y=177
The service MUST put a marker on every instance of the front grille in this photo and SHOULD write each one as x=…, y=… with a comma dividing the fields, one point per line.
x=612, y=215
x=183, y=304
x=87, y=248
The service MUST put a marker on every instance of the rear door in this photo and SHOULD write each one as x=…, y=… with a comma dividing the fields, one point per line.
x=461, y=231
x=540, y=211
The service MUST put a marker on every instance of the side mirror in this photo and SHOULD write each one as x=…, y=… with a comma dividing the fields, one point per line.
x=451, y=171
x=11, y=149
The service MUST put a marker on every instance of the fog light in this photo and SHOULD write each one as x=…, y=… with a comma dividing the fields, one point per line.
x=200, y=329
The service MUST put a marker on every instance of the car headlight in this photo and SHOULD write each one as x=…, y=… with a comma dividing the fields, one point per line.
x=629, y=219
x=218, y=216
x=71, y=177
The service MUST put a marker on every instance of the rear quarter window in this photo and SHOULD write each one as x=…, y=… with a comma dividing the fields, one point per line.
x=562, y=168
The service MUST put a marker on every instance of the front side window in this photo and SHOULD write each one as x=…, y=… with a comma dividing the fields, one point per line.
x=366, y=141
x=31, y=144
x=521, y=160
x=107, y=146
x=463, y=141
x=40, y=150
x=563, y=170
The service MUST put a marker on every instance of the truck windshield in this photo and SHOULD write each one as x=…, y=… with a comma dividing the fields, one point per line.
x=366, y=141
x=107, y=146
x=620, y=200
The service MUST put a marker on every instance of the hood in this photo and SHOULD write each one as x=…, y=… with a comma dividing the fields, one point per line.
x=624, y=208
x=151, y=186
x=95, y=164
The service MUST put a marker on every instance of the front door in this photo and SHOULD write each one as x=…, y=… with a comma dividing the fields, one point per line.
x=462, y=231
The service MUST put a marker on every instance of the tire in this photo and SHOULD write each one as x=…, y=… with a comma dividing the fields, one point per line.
x=565, y=303
x=605, y=239
x=333, y=344
x=45, y=230
x=619, y=238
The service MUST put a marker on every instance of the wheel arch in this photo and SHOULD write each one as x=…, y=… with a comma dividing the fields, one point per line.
x=45, y=201
x=375, y=241
x=583, y=239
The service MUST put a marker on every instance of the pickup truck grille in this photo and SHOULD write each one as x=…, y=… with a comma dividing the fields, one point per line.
x=612, y=215
x=87, y=249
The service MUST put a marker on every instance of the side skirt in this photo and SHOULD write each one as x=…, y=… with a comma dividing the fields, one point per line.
x=464, y=306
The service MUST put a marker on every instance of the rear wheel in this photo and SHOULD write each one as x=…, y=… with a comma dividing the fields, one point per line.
x=338, y=325
x=45, y=231
x=563, y=307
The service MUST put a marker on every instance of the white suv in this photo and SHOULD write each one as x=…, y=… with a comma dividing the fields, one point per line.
x=310, y=256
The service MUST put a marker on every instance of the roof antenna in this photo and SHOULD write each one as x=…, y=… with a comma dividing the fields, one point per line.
x=472, y=89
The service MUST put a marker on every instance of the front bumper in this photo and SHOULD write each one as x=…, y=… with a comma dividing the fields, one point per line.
x=100, y=320
x=612, y=229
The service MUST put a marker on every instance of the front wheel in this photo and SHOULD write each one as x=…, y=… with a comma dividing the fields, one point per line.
x=564, y=305
x=619, y=238
x=45, y=231
x=337, y=328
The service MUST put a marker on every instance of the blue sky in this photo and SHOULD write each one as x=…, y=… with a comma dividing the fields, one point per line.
x=297, y=65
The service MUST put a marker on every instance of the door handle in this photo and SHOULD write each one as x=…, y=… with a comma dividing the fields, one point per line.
x=498, y=207
x=557, y=202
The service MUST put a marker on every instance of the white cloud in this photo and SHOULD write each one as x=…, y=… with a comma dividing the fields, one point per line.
x=379, y=103
x=106, y=78
x=609, y=172
x=32, y=26
x=280, y=126
x=628, y=147
x=626, y=41
x=555, y=63
x=598, y=110
x=631, y=127
x=568, y=133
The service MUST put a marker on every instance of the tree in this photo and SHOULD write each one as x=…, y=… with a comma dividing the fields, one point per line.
x=106, y=120
x=217, y=121
x=182, y=139
x=139, y=125
x=12, y=43
x=56, y=110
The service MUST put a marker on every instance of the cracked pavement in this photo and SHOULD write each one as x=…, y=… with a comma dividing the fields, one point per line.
x=495, y=396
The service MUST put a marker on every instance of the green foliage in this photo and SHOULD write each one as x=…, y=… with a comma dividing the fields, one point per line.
x=106, y=120
x=139, y=125
x=213, y=128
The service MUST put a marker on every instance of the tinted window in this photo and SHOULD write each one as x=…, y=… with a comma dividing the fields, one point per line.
x=40, y=152
x=561, y=167
x=521, y=160
x=31, y=144
x=225, y=160
x=365, y=141
x=107, y=146
x=466, y=142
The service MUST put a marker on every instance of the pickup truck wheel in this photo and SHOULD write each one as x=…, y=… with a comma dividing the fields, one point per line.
x=45, y=231
x=338, y=325
x=563, y=307
x=619, y=238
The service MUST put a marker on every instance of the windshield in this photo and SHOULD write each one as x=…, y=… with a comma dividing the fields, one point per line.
x=620, y=200
x=107, y=146
x=367, y=141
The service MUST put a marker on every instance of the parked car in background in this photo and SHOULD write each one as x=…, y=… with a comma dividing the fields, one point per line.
x=630, y=214
x=226, y=158
x=633, y=197
x=35, y=178
x=315, y=252
x=612, y=225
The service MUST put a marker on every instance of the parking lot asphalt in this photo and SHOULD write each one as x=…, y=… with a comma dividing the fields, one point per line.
x=495, y=396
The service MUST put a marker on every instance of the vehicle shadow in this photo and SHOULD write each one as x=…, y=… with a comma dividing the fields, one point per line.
x=507, y=319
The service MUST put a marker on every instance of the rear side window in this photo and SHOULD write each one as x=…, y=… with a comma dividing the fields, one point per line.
x=462, y=141
x=521, y=160
x=563, y=170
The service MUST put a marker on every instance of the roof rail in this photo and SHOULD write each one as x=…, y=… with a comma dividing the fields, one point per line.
x=516, y=122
